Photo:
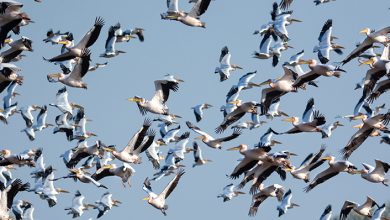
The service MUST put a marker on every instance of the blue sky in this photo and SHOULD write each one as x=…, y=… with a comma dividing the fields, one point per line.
x=192, y=54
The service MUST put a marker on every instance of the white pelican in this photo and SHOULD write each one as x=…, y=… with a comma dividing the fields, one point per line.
x=78, y=205
x=275, y=111
x=363, y=210
x=17, y=47
x=198, y=158
x=381, y=87
x=251, y=158
x=8, y=194
x=47, y=191
x=198, y=111
x=28, y=212
x=317, y=70
x=266, y=139
x=127, y=35
x=18, y=208
x=225, y=67
x=26, y=113
x=8, y=74
x=41, y=120
x=378, y=214
x=229, y=192
x=274, y=190
x=277, y=89
x=153, y=154
x=63, y=125
x=124, y=172
x=113, y=32
x=135, y=146
x=80, y=132
x=62, y=102
x=172, y=163
x=310, y=163
x=56, y=37
x=239, y=112
x=318, y=2
x=376, y=174
x=81, y=151
x=335, y=167
x=327, y=130
x=248, y=124
x=191, y=18
x=74, y=78
x=158, y=201
x=327, y=214
x=286, y=203
x=157, y=104
x=25, y=158
x=106, y=203
x=312, y=126
x=325, y=43
x=369, y=126
x=88, y=40
x=244, y=83
x=275, y=51
x=281, y=21
x=372, y=37
x=5, y=114
x=209, y=140
x=7, y=99
x=82, y=176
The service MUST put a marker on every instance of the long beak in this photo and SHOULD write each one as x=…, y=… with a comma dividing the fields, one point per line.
x=108, y=149
x=364, y=31
x=290, y=47
x=326, y=158
x=265, y=82
x=146, y=198
x=367, y=62
x=276, y=142
x=62, y=190
x=199, y=138
x=233, y=148
x=360, y=117
x=303, y=62
x=64, y=42
x=234, y=102
x=133, y=100
x=1, y=110
x=172, y=16
x=288, y=119
x=296, y=20
x=359, y=126
x=8, y=40
x=339, y=124
x=54, y=75
x=293, y=154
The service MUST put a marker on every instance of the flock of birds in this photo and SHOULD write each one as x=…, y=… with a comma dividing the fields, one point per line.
x=89, y=164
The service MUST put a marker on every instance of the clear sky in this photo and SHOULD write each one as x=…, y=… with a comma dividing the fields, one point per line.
x=192, y=54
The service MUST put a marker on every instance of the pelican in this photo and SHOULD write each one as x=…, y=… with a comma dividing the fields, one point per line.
x=78, y=205
x=327, y=130
x=88, y=40
x=286, y=203
x=39, y=125
x=198, y=156
x=281, y=21
x=229, y=192
x=191, y=18
x=47, y=191
x=275, y=111
x=378, y=214
x=266, y=51
x=277, y=89
x=274, y=190
x=325, y=43
x=5, y=114
x=28, y=212
x=18, y=208
x=17, y=47
x=318, y=2
x=62, y=102
x=244, y=83
x=312, y=126
x=135, y=146
x=7, y=99
x=381, y=87
x=81, y=151
x=172, y=163
x=158, y=201
x=26, y=113
x=225, y=67
x=106, y=203
x=74, y=78
x=376, y=174
x=124, y=172
x=82, y=176
x=209, y=140
x=18, y=159
x=310, y=163
x=363, y=210
x=369, y=126
x=153, y=154
x=113, y=33
x=198, y=111
x=56, y=37
x=335, y=167
x=251, y=158
x=248, y=124
x=127, y=35
x=266, y=139
x=8, y=194
x=317, y=70
x=239, y=112
x=371, y=38
x=97, y=66
x=8, y=74
x=7, y=26
x=327, y=214
x=63, y=125
x=157, y=104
